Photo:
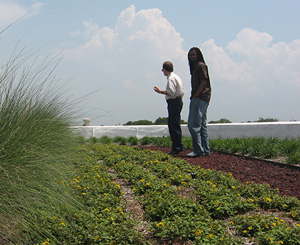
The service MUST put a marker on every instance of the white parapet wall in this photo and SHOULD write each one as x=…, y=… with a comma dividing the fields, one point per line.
x=280, y=130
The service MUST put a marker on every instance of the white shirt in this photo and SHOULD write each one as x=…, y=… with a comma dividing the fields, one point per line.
x=174, y=86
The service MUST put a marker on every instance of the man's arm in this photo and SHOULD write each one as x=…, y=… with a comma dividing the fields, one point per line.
x=199, y=90
x=156, y=89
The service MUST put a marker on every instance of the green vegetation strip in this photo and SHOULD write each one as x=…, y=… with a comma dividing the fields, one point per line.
x=181, y=203
x=220, y=202
x=266, y=148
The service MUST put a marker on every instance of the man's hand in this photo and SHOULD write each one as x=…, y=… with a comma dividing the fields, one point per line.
x=156, y=89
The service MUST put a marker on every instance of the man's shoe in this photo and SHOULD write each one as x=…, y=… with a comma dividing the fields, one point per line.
x=192, y=154
x=173, y=152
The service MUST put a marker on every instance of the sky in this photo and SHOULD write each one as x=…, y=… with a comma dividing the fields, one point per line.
x=112, y=53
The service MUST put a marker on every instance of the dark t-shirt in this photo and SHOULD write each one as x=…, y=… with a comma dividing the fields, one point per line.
x=200, y=74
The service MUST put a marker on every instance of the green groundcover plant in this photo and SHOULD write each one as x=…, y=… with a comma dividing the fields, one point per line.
x=268, y=148
x=212, y=208
x=179, y=201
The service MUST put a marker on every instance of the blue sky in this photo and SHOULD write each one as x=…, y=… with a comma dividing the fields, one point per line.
x=117, y=48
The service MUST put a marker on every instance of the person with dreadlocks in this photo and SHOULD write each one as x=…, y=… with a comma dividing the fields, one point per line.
x=199, y=101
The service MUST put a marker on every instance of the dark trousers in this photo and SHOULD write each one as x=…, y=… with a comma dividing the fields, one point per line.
x=174, y=110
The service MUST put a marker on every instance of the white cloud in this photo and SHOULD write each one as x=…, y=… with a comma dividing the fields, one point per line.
x=259, y=62
x=139, y=41
x=254, y=77
x=11, y=12
x=258, y=50
x=90, y=29
x=222, y=67
x=35, y=8
x=126, y=60
x=146, y=29
x=250, y=43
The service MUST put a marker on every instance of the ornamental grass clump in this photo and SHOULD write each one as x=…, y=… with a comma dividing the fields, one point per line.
x=36, y=143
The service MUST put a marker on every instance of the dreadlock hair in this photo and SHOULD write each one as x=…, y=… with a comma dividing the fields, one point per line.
x=200, y=58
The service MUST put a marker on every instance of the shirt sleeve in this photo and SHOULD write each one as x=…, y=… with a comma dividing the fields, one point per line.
x=171, y=87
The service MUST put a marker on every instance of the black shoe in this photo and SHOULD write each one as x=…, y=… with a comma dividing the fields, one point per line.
x=173, y=152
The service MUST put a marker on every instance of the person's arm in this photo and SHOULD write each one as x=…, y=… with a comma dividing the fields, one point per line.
x=200, y=89
x=156, y=89
x=202, y=73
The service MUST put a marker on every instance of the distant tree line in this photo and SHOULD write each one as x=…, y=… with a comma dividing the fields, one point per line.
x=261, y=119
x=158, y=121
x=164, y=121
x=222, y=120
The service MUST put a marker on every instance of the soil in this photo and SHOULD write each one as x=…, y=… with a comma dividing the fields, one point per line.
x=287, y=180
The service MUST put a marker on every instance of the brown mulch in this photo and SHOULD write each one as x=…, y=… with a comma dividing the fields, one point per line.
x=287, y=180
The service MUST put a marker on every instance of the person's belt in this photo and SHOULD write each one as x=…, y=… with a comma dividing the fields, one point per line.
x=178, y=97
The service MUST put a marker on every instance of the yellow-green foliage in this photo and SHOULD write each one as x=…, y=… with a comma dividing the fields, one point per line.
x=36, y=148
